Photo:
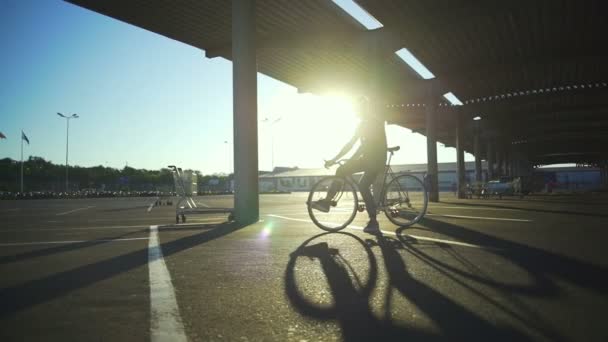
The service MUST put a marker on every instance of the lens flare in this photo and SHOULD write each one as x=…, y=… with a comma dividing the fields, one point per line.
x=266, y=231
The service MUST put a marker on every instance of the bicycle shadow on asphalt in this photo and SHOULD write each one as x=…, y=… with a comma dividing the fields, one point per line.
x=352, y=308
x=453, y=319
x=542, y=267
x=37, y=291
x=540, y=264
x=511, y=206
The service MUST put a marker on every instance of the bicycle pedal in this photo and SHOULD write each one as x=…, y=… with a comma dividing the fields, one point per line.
x=333, y=203
x=361, y=208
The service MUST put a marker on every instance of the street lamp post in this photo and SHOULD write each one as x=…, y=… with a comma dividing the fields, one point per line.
x=228, y=163
x=272, y=122
x=67, y=137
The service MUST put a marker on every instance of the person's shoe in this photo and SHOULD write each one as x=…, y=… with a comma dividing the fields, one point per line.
x=320, y=205
x=372, y=227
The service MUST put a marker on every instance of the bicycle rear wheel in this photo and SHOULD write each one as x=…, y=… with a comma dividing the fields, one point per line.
x=343, y=206
x=406, y=200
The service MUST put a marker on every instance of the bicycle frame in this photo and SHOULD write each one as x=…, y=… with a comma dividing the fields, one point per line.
x=388, y=171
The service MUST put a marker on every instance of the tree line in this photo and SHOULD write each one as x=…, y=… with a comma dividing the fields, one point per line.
x=42, y=175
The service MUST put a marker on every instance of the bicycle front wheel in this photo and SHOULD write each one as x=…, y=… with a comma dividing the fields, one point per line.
x=405, y=200
x=342, y=206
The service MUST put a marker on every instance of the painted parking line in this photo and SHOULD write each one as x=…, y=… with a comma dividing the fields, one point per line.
x=13, y=244
x=74, y=210
x=203, y=204
x=416, y=237
x=165, y=321
x=480, y=218
x=476, y=208
x=439, y=215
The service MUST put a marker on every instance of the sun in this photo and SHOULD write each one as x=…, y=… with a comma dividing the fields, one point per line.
x=311, y=128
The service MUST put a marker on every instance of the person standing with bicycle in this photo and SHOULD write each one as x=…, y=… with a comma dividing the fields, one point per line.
x=370, y=158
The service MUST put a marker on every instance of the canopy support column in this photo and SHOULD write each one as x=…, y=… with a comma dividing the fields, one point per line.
x=477, y=152
x=431, y=145
x=245, y=116
x=460, y=170
x=490, y=159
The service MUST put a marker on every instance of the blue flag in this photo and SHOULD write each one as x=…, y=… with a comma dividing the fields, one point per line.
x=24, y=137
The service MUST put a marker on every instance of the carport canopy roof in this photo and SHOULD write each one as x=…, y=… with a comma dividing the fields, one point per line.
x=534, y=71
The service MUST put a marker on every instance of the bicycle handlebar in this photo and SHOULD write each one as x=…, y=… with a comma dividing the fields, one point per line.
x=339, y=162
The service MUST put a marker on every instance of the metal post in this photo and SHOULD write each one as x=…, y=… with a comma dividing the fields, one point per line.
x=508, y=162
x=67, y=137
x=21, y=162
x=271, y=124
x=244, y=78
x=67, y=167
x=490, y=153
x=477, y=152
x=431, y=145
x=272, y=147
x=498, y=169
x=227, y=145
x=460, y=170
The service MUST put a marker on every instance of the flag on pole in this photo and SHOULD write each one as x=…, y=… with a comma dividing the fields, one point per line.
x=24, y=137
x=2, y=136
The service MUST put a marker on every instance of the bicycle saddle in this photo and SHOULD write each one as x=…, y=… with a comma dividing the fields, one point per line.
x=393, y=149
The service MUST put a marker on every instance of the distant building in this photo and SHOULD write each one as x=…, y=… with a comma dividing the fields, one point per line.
x=295, y=179
x=567, y=178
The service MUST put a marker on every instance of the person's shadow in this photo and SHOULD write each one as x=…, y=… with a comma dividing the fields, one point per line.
x=351, y=309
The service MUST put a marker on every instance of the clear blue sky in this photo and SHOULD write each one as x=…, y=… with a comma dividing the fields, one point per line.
x=144, y=99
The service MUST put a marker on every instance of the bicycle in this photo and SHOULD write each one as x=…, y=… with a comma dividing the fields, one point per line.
x=403, y=198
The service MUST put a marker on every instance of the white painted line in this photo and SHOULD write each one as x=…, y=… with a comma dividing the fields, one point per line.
x=75, y=210
x=66, y=242
x=190, y=203
x=473, y=208
x=422, y=238
x=204, y=205
x=289, y=218
x=480, y=218
x=165, y=321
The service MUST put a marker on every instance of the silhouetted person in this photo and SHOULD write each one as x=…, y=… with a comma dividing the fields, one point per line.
x=370, y=158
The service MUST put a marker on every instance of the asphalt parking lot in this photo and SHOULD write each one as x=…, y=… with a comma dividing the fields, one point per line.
x=120, y=269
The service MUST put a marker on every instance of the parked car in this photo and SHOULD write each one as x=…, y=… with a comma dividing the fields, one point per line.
x=506, y=186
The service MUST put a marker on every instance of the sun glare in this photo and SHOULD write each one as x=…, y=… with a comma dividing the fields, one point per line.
x=312, y=128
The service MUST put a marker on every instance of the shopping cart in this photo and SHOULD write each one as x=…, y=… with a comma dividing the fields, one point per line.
x=186, y=205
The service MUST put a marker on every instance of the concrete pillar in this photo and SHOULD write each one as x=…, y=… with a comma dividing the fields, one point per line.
x=498, y=161
x=460, y=169
x=431, y=145
x=477, y=153
x=490, y=158
x=506, y=162
x=245, y=116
